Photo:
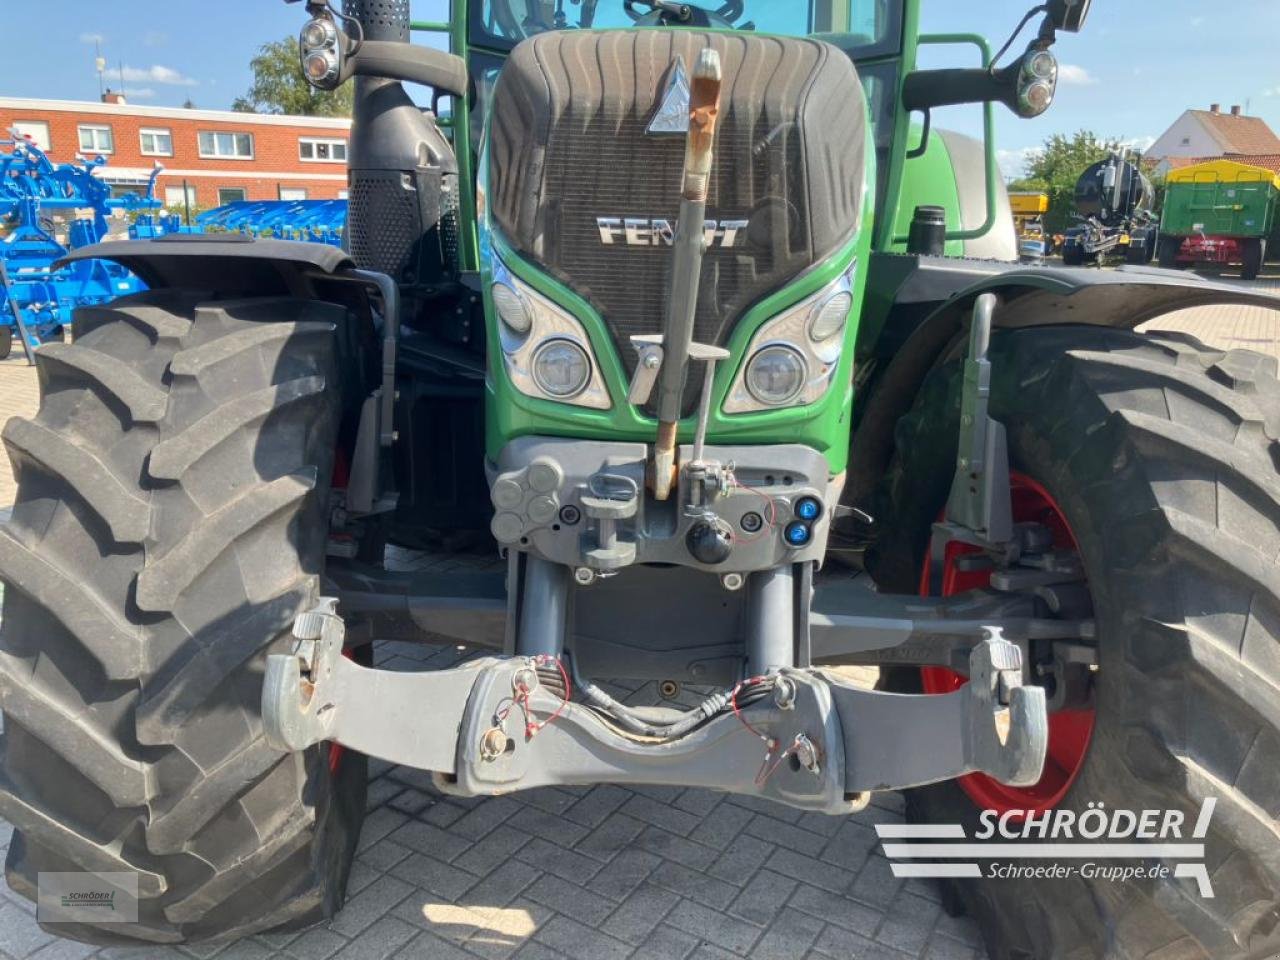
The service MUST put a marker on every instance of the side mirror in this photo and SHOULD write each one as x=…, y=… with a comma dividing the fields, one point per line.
x=1068, y=15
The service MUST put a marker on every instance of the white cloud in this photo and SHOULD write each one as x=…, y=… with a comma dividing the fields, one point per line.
x=157, y=74
x=1141, y=144
x=154, y=38
x=1073, y=76
x=1013, y=163
x=91, y=38
x=1271, y=92
x=141, y=93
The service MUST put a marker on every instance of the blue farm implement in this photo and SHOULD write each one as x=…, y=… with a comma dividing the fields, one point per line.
x=313, y=221
x=37, y=299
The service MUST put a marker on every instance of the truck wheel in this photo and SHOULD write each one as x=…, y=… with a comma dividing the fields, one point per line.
x=170, y=524
x=1252, y=253
x=1072, y=255
x=6, y=342
x=1168, y=256
x=1159, y=457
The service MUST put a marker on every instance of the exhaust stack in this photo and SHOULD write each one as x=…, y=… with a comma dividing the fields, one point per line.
x=686, y=267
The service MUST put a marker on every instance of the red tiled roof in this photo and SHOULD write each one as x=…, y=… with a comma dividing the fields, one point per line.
x=1268, y=161
x=1240, y=134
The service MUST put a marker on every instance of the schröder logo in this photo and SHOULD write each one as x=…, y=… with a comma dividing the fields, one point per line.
x=1069, y=844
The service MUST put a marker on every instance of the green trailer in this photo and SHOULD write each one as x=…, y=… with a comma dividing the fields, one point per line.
x=1219, y=212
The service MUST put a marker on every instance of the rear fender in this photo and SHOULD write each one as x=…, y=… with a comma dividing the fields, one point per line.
x=1030, y=296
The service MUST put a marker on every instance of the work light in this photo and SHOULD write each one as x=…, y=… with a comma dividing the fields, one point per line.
x=1037, y=83
x=320, y=53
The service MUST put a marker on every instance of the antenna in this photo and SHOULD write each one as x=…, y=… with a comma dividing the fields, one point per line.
x=101, y=63
x=122, y=93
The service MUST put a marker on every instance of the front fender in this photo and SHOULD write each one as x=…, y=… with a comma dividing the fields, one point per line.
x=232, y=264
x=1030, y=296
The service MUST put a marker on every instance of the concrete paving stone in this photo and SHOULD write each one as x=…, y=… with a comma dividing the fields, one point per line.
x=852, y=844
x=909, y=923
x=700, y=803
x=666, y=943
x=411, y=802
x=20, y=936
x=319, y=943
x=500, y=887
x=427, y=946
x=613, y=836
x=565, y=864
x=766, y=807
x=832, y=908
x=381, y=791
x=786, y=835
x=569, y=899
x=763, y=898
x=720, y=829
x=635, y=919
x=659, y=813
x=743, y=857
x=379, y=942
x=495, y=850
x=789, y=937
x=573, y=939
x=504, y=931
x=715, y=926
x=599, y=803
x=434, y=876
x=441, y=813
x=876, y=885
x=360, y=877
x=551, y=800
x=944, y=948
x=707, y=951
x=368, y=905
x=682, y=850
x=62, y=949
x=539, y=823
x=379, y=824
x=810, y=870
x=694, y=885
x=483, y=818
x=423, y=837
x=384, y=855
x=624, y=873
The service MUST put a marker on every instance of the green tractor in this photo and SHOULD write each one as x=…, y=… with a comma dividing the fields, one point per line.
x=682, y=348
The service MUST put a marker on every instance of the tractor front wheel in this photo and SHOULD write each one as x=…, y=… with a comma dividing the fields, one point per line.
x=170, y=524
x=1158, y=459
x=1168, y=252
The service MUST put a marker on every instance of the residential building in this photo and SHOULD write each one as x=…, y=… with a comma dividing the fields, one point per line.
x=1208, y=134
x=210, y=157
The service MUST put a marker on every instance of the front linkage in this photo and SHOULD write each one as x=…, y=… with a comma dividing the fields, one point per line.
x=792, y=732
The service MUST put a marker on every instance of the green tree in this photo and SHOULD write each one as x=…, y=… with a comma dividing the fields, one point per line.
x=279, y=87
x=1056, y=167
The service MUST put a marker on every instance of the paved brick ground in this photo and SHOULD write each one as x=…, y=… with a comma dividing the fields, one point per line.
x=606, y=872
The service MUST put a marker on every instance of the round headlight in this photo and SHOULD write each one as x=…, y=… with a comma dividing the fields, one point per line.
x=318, y=33
x=511, y=309
x=1036, y=98
x=561, y=369
x=1043, y=64
x=776, y=375
x=829, y=317
x=320, y=67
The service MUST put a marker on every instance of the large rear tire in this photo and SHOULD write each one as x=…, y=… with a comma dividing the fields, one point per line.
x=1163, y=455
x=171, y=522
x=1168, y=251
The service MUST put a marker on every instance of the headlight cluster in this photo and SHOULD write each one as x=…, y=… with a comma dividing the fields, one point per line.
x=793, y=357
x=545, y=349
x=320, y=53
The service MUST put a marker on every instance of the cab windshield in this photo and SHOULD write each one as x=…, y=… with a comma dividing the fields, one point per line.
x=865, y=27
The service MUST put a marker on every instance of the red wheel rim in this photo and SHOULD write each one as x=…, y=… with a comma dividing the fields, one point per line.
x=1069, y=730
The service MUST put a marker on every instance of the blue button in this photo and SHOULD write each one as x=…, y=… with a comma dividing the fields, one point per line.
x=807, y=508
x=797, y=534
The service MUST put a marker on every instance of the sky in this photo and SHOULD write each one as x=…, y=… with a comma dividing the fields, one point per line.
x=1132, y=71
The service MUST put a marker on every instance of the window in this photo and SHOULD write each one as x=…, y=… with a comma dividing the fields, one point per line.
x=156, y=143
x=230, y=195
x=315, y=150
x=175, y=201
x=233, y=146
x=35, y=130
x=292, y=193
x=96, y=139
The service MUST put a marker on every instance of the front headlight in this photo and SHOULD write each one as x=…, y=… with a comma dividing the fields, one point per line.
x=793, y=357
x=545, y=349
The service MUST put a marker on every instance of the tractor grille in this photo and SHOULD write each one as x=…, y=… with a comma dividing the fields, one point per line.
x=569, y=144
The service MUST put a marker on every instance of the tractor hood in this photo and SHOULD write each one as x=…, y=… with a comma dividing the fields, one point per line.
x=586, y=151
